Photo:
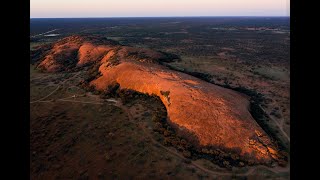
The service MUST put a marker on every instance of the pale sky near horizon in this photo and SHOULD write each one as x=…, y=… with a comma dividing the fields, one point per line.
x=152, y=8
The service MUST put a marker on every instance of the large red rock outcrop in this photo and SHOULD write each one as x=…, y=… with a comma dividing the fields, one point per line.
x=216, y=116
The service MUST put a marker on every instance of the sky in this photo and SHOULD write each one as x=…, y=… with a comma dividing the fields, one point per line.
x=157, y=8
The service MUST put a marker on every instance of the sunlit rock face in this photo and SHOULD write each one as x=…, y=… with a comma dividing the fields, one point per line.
x=206, y=114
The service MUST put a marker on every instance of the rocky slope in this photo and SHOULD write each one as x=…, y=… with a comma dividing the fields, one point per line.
x=206, y=114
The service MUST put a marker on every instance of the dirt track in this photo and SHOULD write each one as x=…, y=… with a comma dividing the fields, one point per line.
x=280, y=126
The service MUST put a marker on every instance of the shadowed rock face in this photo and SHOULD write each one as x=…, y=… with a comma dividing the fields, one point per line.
x=215, y=116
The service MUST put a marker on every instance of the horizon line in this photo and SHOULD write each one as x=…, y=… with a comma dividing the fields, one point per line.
x=270, y=16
